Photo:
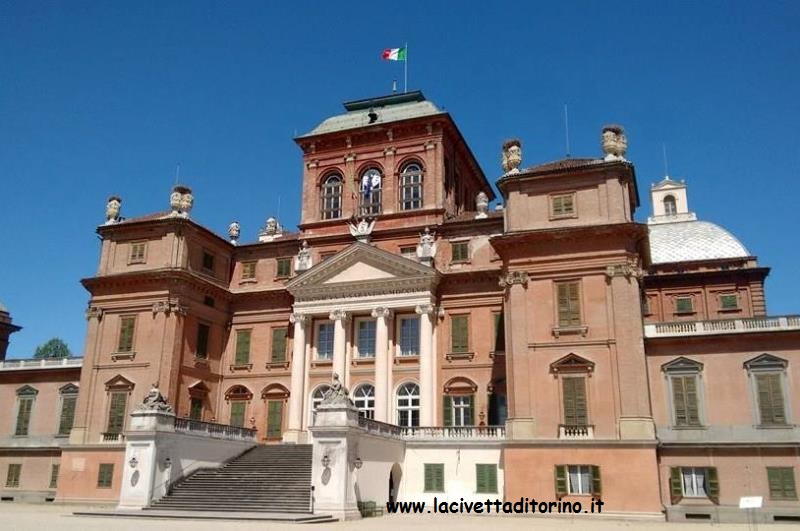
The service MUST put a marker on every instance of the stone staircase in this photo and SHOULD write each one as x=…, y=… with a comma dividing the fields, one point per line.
x=268, y=478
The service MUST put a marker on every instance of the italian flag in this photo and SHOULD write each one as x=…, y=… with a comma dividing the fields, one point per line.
x=394, y=54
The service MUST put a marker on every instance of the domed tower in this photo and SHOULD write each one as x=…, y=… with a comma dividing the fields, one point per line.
x=6, y=329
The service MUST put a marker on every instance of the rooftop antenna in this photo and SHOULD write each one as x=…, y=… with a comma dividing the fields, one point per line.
x=177, y=173
x=666, y=164
x=566, y=127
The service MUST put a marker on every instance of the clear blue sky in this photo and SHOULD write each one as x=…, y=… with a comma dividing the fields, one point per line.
x=107, y=97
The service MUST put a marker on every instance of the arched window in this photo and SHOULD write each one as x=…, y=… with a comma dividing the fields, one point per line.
x=669, y=206
x=411, y=186
x=408, y=405
x=332, y=197
x=316, y=399
x=364, y=399
x=371, y=184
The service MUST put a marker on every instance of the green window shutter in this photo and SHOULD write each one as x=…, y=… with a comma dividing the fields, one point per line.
x=561, y=480
x=242, y=347
x=679, y=400
x=24, y=416
x=54, y=476
x=237, y=413
x=470, y=415
x=499, y=332
x=203, y=331
x=781, y=483
x=569, y=304
x=105, y=475
x=485, y=478
x=675, y=485
x=713, y=484
x=127, y=325
x=770, y=399
x=448, y=411
x=12, y=477
x=116, y=412
x=67, y=414
x=434, y=477
x=597, y=486
x=274, y=418
x=279, y=344
x=459, y=333
x=196, y=409
x=575, y=401
x=692, y=407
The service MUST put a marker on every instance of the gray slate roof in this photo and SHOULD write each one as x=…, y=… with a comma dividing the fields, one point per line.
x=360, y=117
x=689, y=241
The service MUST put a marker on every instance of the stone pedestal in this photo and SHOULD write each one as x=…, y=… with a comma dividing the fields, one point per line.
x=335, y=441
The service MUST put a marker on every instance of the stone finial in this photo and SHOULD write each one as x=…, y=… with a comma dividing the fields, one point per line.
x=113, y=207
x=303, y=260
x=272, y=230
x=481, y=205
x=512, y=155
x=234, y=230
x=181, y=201
x=614, y=141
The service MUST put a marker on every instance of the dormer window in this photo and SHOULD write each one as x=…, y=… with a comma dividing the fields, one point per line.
x=331, y=197
x=411, y=187
x=670, y=209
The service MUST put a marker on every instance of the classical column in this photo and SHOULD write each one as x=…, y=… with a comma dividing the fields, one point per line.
x=427, y=401
x=339, y=318
x=382, y=400
x=296, y=393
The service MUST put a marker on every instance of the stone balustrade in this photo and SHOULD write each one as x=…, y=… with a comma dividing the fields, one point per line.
x=44, y=363
x=722, y=326
x=111, y=438
x=213, y=430
x=439, y=433
x=575, y=432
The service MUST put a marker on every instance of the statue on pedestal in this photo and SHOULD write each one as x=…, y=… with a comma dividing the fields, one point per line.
x=154, y=401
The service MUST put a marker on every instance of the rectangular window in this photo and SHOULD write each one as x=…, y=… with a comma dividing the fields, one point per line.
x=684, y=400
x=684, y=305
x=23, y=416
x=242, y=347
x=326, y=255
x=325, y=341
x=434, y=477
x=569, y=304
x=208, y=261
x=499, y=332
x=409, y=336
x=203, y=331
x=116, y=412
x=283, y=267
x=693, y=482
x=562, y=205
x=54, y=476
x=137, y=253
x=237, y=413
x=279, y=345
x=459, y=410
x=460, y=251
x=728, y=301
x=409, y=252
x=781, y=483
x=574, y=388
x=12, y=477
x=248, y=270
x=105, y=475
x=769, y=393
x=578, y=479
x=366, y=339
x=127, y=327
x=459, y=333
x=485, y=478
x=67, y=414
x=274, y=419
x=196, y=409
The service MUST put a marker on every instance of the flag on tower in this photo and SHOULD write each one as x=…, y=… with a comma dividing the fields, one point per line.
x=394, y=54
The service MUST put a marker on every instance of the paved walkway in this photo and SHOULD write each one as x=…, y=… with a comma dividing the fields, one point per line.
x=17, y=516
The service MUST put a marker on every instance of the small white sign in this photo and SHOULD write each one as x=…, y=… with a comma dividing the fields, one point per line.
x=751, y=502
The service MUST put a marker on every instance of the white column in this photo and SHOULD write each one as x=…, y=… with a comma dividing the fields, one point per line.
x=339, y=318
x=297, y=393
x=427, y=401
x=382, y=316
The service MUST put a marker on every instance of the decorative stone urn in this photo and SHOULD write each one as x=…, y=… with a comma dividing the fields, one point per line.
x=272, y=229
x=234, y=229
x=614, y=141
x=113, y=208
x=512, y=155
x=181, y=201
x=481, y=205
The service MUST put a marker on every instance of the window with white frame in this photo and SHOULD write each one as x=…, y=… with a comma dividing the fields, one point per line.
x=324, y=344
x=365, y=342
x=408, y=405
x=364, y=399
x=411, y=186
x=694, y=482
x=670, y=207
x=580, y=479
x=331, y=196
x=462, y=410
x=316, y=399
x=409, y=335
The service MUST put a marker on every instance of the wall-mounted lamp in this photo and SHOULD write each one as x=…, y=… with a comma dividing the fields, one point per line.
x=358, y=463
x=133, y=462
x=326, y=460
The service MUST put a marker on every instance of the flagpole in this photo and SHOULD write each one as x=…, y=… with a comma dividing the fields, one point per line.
x=405, y=71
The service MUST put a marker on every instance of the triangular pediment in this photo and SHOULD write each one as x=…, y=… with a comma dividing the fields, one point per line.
x=572, y=363
x=362, y=269
x=668, y=184
x=682, y=364
x=119, y=382
x=766, y=362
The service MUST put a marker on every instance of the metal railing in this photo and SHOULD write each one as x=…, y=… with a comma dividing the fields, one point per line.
x=723, y=326
x=44, y=363
x=214, y=430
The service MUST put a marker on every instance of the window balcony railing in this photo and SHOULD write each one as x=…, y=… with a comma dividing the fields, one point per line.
x=111, y=438
x=575, y=432
x=723, y=326
x=214, y=430
x=45, y=363
x=439, y=433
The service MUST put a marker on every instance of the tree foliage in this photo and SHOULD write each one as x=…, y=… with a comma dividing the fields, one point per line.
x=55, y=348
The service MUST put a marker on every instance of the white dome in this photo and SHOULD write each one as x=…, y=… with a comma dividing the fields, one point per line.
x=690, y=241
